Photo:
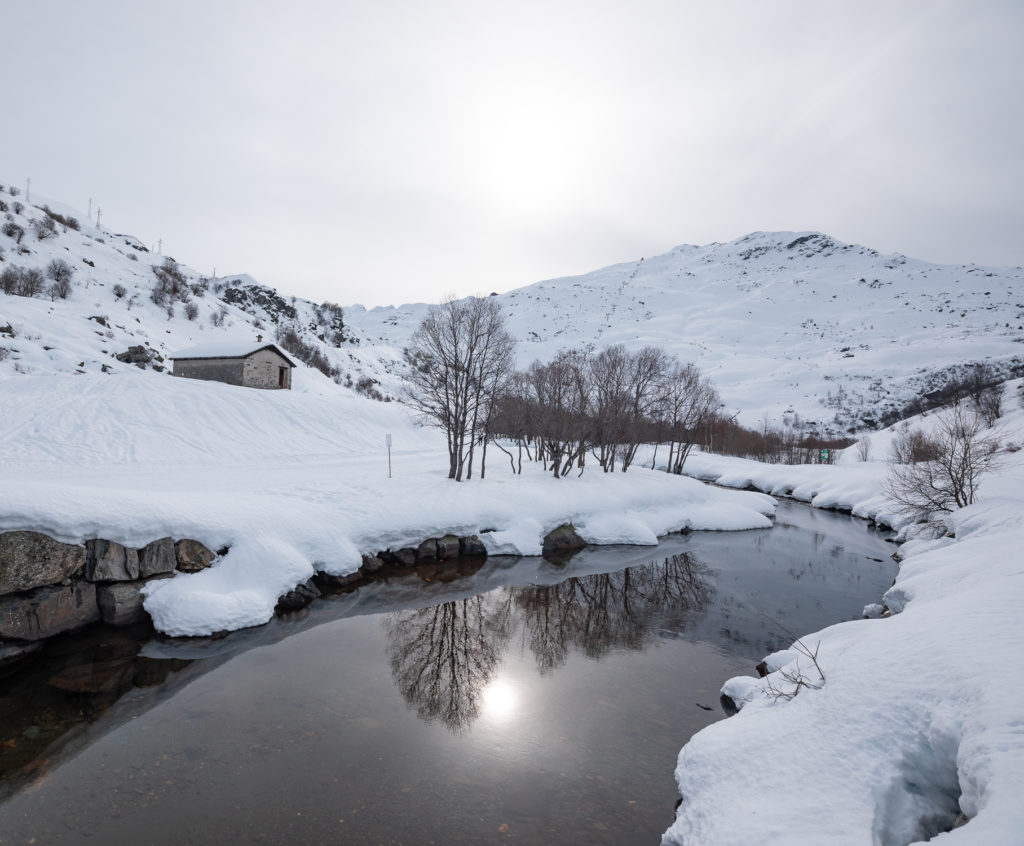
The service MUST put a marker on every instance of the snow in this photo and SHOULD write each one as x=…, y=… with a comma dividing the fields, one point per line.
x=292, y=482
x=223, y=349
x=918, y=717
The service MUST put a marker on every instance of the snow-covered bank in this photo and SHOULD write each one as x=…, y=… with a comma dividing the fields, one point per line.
x=917, y=718
x=293, y=482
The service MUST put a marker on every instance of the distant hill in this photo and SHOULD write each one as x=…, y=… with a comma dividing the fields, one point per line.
x=788, y=324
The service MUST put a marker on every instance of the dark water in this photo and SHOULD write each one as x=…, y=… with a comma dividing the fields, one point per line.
x=518, y=702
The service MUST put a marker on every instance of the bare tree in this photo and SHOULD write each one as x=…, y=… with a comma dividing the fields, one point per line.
x=912, y=445
x=864, y=448
x=688, y=404
x=962, y=454
x=457, y=361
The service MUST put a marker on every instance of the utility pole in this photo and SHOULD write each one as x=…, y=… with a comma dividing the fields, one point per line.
x=160, y=247
x=28, y=192
x=90, y=209
x=99, y=214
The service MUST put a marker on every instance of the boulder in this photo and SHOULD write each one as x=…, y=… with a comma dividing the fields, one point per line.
x=157, y=558
x=405, y=557
x=297, y=598
x=563, y=538
x=448, y=547
x=472, y=546
x=427, y=551
x=371, y=564
x=30, y=560
x=48, y=611
x=107, y=561
x=192, y=556
x=137, y=355
x=121, y=603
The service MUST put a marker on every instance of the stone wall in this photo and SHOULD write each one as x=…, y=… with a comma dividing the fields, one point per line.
x=228, y=370
x=48, y=587
x=262, y=370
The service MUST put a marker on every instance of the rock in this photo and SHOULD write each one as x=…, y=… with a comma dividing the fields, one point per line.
x=405, y=557
x=472, y=546
x=728, y=704
x=326, y=582
x=137, y=355
x=30, y=560
x=427, y=551
x=121, y=603
x=48, y=611
x=192, y=556
x=157, y=557
x=762, y=669
x=563, y=539
x=107, y=561
x=371, y=564
x=448, y=547
x=297, y=598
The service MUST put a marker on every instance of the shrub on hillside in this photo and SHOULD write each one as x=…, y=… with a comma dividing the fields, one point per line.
x=14, y=191
x=44, y=228
x=191, y=311
x=170, y=282
x=289, y=339
x=119, y=291
x=59, y=270
x=9, y=279
x=926, y=491
x=18, y=207
x=911, y=446
x=3, y=206
x=12, y=230
x=22, y=281
x=60, y=289
x=66, y=222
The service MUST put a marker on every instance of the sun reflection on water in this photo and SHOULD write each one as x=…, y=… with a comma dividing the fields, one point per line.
x=500, y=700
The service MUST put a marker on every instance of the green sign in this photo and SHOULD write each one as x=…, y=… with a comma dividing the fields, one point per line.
x=824, y=456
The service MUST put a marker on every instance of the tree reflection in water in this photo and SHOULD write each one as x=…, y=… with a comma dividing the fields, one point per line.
x=443, y=657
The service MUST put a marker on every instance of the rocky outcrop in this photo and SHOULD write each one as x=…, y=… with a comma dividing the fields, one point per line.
x=107, y=561
x=563, y=538
x=192, y=556
x=48, y=611
x=157, y=558
x=29, y=560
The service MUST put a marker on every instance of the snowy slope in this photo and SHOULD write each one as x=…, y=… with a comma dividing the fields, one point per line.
x=785, y=323
x=780, y=320
x=918, y=717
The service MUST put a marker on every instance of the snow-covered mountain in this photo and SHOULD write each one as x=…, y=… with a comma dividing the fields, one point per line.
x=785, y=323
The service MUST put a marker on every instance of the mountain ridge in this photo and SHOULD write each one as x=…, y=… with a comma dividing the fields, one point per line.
x=792, y=325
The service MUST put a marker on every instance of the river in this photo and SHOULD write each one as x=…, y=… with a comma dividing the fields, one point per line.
x=519, y=701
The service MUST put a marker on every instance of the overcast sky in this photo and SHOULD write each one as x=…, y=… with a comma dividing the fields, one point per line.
x=387, y=152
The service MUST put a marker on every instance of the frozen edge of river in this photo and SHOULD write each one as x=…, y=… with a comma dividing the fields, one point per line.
x=916, y=720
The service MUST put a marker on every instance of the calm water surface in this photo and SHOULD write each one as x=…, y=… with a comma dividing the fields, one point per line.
x=517, y=702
